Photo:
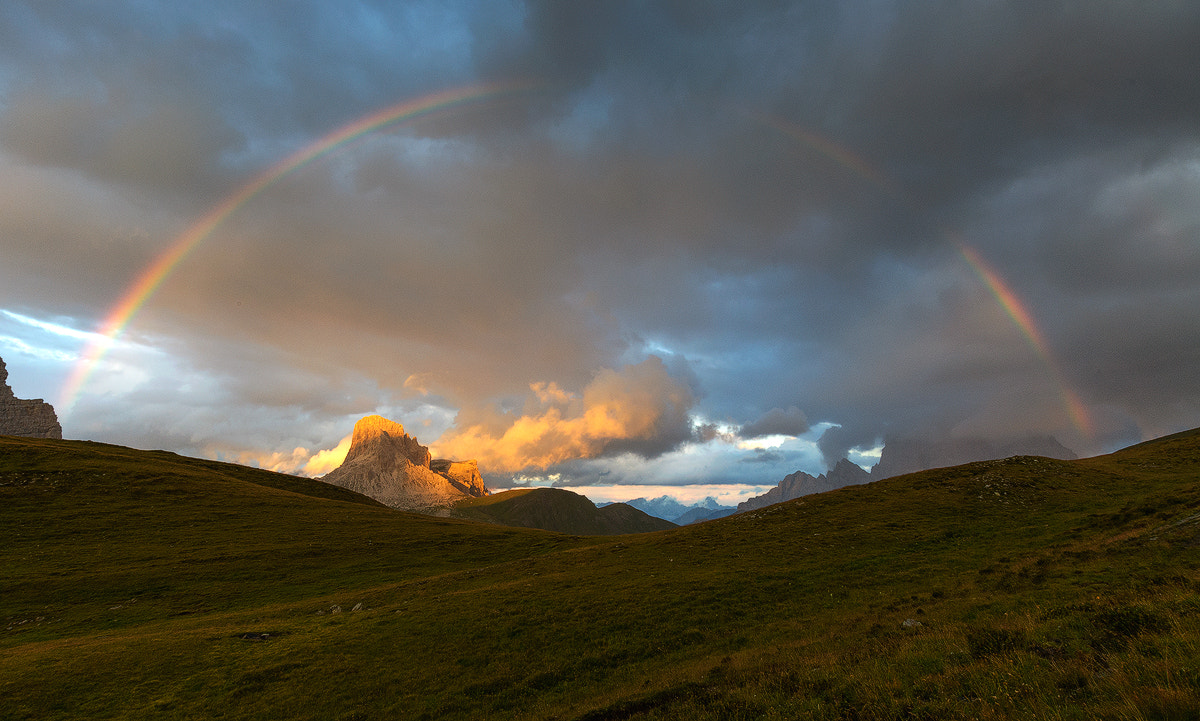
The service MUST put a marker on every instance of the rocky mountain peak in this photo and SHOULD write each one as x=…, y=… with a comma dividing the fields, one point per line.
x=28, y=418
x=387, y=440
x=387, y=464
x=844, y=473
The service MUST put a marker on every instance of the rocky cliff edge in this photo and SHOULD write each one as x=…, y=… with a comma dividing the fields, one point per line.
x=27, y=418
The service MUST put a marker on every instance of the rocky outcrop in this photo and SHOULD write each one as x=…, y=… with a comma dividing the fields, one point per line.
x=463, y=474
x=800, y=483
x=26, y=418
x=387, y=464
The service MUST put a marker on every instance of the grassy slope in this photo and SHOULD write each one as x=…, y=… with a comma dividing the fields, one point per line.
x=1042, y=589
x=558, y=510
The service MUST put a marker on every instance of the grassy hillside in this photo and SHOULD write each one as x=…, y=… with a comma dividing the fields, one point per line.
x=151, y=586
x=555, y=509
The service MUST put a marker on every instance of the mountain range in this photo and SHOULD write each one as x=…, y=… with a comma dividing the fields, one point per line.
x=667, y=508
x=908, y=455
x=387, y=464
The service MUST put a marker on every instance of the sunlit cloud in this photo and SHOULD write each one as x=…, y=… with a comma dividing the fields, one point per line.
x=323, y=462
x=639, y=408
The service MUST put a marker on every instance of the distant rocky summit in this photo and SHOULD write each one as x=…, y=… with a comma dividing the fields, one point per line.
x=387, y=464
x=26, y=418
x=672, y=510
x=908, y=455
x=845, y=473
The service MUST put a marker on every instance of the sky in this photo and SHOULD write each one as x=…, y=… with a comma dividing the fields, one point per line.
x=631, y=248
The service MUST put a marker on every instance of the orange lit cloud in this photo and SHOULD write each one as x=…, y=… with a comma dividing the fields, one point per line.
x=299, y=461
x=279, y=461
x=323, y=462
x=639, y=408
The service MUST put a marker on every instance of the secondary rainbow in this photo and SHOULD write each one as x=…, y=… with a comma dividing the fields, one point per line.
x=1008, y=300
x=152, y=277
x=1016, y=310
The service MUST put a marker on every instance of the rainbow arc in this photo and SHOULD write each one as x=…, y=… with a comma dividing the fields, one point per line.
x=152, y=276
x=1009, y=301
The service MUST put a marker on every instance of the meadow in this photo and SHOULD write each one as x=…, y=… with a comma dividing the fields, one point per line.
x=147, y=585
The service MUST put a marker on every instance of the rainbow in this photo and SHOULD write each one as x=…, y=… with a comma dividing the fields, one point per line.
x=836, y=152
x=1008, y=300
x=1020, y=316
x=153, y=275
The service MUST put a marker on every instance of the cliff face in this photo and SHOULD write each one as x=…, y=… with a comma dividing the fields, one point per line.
x=387, y=464
x=27, y=418
x=464, y=475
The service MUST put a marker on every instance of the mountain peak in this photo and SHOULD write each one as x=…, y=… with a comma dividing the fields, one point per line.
x=374, y=425
x=387, y=464
x=386, y=439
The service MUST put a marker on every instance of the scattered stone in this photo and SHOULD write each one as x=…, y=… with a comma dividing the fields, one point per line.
x=911, y=623
x=25, y=418
x=255, y=636
x=335, y=609
x=357, y=607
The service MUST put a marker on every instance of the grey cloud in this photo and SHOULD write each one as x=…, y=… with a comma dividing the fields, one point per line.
x=770, y=196
x=763, y=456
x=790, y=422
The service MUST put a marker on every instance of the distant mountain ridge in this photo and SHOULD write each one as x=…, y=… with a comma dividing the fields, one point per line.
x=908, y=455
x=845, y=473
x=669, y=509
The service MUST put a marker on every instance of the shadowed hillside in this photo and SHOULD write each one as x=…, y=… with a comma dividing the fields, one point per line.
x=555, y=509
x=147, y=585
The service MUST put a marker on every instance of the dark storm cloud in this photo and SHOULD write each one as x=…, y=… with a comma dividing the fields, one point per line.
x=771, y=197
x=790, y=422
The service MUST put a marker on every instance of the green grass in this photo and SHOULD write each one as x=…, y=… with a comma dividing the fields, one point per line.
x=146, y=585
